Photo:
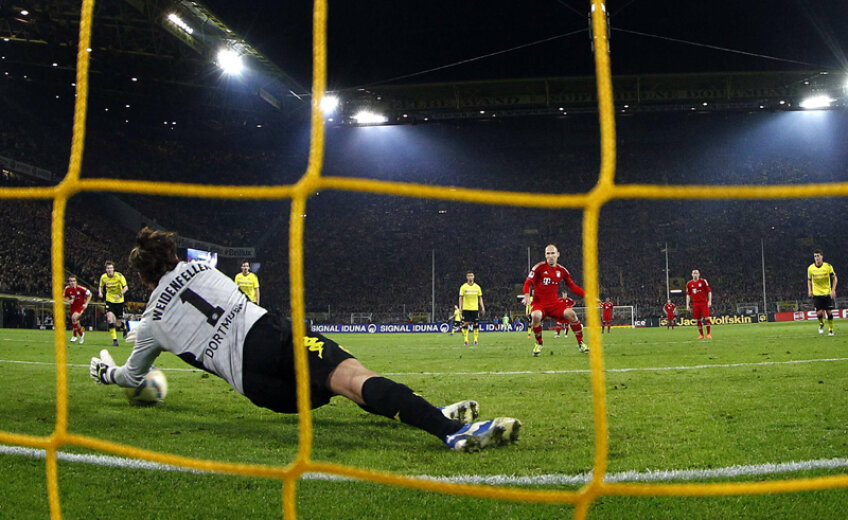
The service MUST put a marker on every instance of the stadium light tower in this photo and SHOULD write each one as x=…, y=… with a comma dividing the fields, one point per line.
x=230, y=62
x=666, y=250
x=667, y=286
x=180, y=23
x=366, y=117
x=329, y=104
x=763, y=256
x=816, y=102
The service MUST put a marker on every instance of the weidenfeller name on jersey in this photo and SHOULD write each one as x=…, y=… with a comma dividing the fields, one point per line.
x=170, y=291
x=175, y=289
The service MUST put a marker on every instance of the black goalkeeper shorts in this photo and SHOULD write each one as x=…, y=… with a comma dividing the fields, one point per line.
x=268, y=374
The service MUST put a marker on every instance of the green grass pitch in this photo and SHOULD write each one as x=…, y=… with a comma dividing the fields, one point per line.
x=752, y=396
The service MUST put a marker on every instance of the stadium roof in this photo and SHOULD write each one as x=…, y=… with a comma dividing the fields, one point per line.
x=162, y=50
x=456, y=57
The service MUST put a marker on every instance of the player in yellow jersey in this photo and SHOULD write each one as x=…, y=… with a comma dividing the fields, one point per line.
x=114, y=286
x=457, y=320
x=471, y=303
x=528, y=307
x=821, y=287
x=248, y=282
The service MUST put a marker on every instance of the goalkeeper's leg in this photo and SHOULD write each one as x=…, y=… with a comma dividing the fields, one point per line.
x=382, y=396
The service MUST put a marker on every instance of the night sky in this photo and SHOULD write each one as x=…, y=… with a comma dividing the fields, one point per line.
x=377, y=41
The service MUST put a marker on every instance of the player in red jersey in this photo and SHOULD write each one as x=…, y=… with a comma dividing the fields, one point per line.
x=78, y=297
x=669, y=309
x=606, y=318
x=701, y=295
x=545, y=278
x=562, y=325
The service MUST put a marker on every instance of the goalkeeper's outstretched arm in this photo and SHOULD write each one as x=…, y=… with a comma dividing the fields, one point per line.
x=105, y=371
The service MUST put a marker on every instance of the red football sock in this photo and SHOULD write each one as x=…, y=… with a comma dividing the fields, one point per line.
x=577, y=327
x=537, y=330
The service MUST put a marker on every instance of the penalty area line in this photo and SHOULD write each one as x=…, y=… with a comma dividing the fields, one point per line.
x=538, y=480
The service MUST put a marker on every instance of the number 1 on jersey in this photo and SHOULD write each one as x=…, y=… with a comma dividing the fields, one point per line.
x=213, y=314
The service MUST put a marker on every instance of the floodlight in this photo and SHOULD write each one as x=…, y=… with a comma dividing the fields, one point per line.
x=230, y=62
x=179, y=22
x=365, y=117
x=329, y=104
x=816, y=102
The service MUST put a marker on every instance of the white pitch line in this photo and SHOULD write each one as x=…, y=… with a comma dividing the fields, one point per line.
x=618, y=370
x=538, y=480
x=528, y=372
x=76, y=365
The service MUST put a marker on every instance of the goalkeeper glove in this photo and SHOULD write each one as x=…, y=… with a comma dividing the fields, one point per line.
x=101, y=372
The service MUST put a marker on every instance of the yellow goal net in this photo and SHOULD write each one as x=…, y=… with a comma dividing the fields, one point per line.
x=312, y=181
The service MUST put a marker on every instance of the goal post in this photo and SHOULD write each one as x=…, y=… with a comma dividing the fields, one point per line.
x=622, y=315
x=360, y=317
x=747, y=309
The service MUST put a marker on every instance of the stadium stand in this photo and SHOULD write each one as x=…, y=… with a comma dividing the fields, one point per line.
x=493, y=241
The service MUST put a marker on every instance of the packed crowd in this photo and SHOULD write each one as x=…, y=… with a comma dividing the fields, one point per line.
x=25, y=244
x=396, y=256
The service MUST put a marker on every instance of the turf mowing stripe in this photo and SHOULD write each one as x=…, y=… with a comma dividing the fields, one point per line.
x=529, y=372
x=539, y=480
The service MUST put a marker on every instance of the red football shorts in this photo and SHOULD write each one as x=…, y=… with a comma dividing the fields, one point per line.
x=76, y=310
x=700, y=310
x=553, y=309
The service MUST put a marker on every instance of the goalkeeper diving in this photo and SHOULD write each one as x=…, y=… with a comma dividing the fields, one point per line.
x=200, y=315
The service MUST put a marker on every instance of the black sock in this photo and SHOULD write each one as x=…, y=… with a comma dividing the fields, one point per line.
x=396, y=401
